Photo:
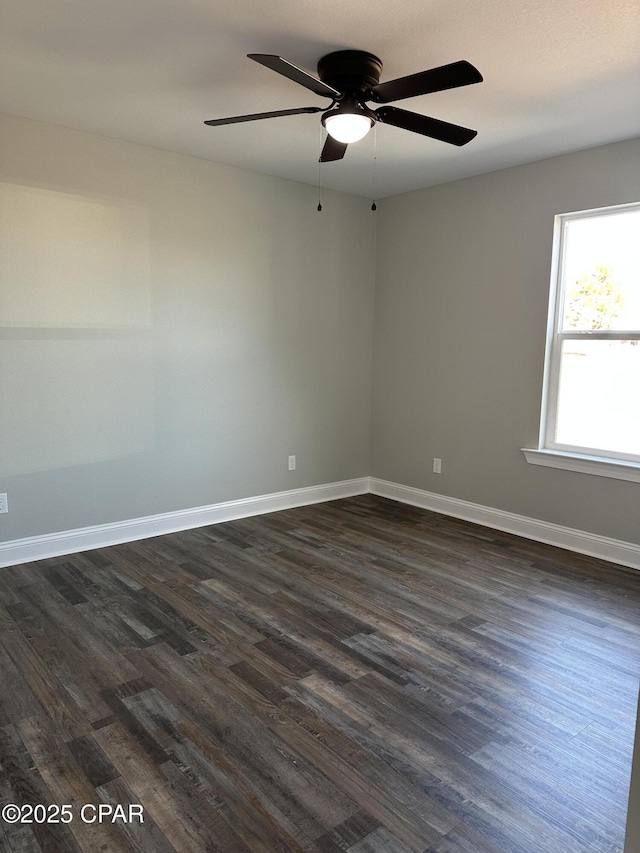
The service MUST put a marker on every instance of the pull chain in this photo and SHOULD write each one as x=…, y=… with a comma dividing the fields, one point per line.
x=319, y=207
x=374, y=206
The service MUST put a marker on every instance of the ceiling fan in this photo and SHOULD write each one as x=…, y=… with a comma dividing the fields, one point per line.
x=351, y=79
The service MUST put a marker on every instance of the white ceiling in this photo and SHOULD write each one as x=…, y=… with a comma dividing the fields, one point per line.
x=559, y=75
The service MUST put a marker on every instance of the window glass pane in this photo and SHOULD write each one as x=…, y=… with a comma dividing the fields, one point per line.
x=599, y=395
x=602, y=272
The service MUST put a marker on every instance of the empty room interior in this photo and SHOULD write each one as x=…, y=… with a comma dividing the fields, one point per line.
x=319, y=427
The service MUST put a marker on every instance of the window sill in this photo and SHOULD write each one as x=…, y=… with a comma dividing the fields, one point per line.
x=597, y=465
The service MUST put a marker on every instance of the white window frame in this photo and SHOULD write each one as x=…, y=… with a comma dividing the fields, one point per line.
x=549, y=452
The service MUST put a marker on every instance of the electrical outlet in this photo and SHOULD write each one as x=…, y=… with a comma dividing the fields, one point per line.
x=437, y=465
x=4, y=506
x=292, y=463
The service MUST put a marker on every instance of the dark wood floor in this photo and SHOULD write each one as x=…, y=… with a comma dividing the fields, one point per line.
x=357, y=675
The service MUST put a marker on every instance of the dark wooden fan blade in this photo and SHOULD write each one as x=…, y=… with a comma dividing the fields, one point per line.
x=215, y=122
x=287, y=69
x=435, y=80
x=332, y=150
x=433, y=127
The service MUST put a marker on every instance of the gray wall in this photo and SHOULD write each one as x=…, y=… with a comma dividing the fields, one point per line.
x=171, y=330
x=462, y=283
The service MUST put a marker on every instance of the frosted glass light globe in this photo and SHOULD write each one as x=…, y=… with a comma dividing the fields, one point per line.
x=348, y=127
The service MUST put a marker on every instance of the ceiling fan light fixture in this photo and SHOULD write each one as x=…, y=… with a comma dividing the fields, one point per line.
x=351, y=79
x=348, y=123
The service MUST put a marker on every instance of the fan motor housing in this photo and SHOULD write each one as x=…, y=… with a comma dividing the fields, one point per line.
x=350, y=70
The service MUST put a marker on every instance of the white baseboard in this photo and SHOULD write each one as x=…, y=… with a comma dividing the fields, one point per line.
x=613, y=550
x=102, y=535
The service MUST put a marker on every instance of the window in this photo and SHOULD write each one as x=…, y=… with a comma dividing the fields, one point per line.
x=591, y=398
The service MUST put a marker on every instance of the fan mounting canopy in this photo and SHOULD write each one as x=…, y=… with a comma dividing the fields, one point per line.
x=350, y=70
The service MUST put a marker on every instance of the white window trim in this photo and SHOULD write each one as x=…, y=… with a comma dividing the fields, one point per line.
x=549, y=453
x=598, y=465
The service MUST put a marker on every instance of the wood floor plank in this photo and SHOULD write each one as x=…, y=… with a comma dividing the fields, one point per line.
x=16, y=698
x=141, y=836
x=76, y=637
x=68, y=784
x=27, y=787
x=239, y=803
x=22, y=841
x=153, y=790
x=260, y=819
x=44, y=685
x=239, y=722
